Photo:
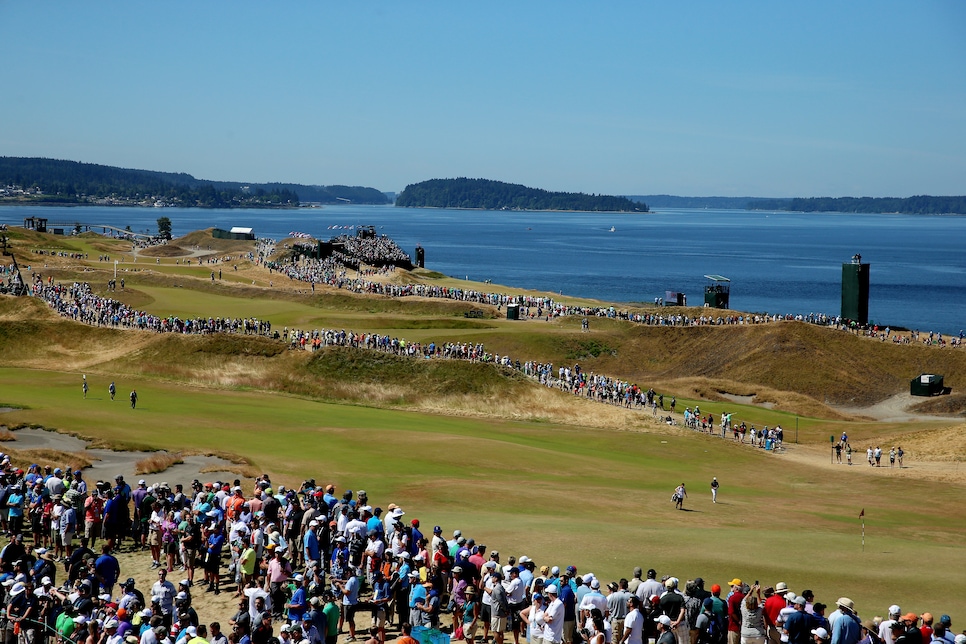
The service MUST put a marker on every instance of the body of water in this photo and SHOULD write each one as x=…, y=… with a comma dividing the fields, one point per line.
x=778, y=262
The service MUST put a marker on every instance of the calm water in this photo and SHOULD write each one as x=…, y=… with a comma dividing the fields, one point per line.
x=778, y=262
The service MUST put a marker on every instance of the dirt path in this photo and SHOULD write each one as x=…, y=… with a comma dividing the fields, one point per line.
x=890, y=410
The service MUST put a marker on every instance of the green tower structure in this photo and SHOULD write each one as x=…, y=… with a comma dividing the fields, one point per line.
x=855, y=290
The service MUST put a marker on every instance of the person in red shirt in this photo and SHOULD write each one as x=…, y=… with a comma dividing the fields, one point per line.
x=774, y=603
x=734, y=611
x=926, y=628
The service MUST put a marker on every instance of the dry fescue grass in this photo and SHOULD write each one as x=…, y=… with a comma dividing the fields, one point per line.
x=946, y=444
x=157, y=463
x=23, y=458
x=240, y=465
x=164, y=250
x=951, y=404
x=203, y=239
x=6, y=435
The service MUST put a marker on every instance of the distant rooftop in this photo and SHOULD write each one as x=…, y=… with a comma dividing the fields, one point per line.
x=240, y=230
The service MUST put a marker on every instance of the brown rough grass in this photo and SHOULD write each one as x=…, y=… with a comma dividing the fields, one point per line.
x=164, y=250
x=6, y=435
x=204, y=240
x=23, y=458
x=157, y=462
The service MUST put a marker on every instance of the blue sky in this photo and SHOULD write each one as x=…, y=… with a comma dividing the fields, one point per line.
x=700, y=98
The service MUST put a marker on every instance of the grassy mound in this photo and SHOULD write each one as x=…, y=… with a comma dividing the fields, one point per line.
x=340, y=366
x=204, y=240
x=165, y=250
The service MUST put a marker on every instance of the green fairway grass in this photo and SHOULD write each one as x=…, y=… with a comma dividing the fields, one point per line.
x=560, y=494
x=577, y=482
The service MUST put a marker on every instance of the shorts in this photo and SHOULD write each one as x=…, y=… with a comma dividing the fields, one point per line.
x=485, y=613
x=171, y=548
x=212, y=563
x=92, y=530
x=190, y=555
x=568, y=631
x=469, y=632
x=379, y=617
x=154, y=538
x=67, y=539
x=498, y=624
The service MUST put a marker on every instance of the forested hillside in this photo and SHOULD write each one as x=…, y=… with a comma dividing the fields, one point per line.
x=56, y=181
x=497, y=195
x=918, y=205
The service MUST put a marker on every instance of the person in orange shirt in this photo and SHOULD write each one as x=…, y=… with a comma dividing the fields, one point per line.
x=406, y=637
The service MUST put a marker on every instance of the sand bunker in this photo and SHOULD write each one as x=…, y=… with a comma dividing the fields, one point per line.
x=108, y=463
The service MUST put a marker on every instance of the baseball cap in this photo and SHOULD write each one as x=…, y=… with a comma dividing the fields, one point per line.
x=550, y=590
x=821, y=632
x=663, y=619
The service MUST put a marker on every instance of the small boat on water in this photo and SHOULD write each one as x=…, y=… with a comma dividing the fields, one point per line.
x=613, y=230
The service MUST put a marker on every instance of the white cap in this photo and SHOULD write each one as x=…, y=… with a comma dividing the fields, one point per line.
x=142, y=482
x=894, y=610
x=821, y=632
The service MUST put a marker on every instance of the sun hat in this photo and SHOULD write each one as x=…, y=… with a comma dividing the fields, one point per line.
x=781, y=588
x=17, y=589
x=870, y=626
x=845, y=602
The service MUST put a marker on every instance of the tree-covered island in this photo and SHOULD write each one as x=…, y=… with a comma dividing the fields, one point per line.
x=486, y=194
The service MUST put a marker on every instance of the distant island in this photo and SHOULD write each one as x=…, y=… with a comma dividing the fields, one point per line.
x=920, y=205
x=28, y=180
x=485, y=194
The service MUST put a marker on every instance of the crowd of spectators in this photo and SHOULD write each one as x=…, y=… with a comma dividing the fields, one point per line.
x=310, y=565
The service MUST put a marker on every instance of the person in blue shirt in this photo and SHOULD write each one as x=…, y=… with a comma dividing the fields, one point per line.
x=381, y=594
x=216, y=541
x=847, y=629
x=15, y=503
x=298, y=604
x=107, y=569
x=310, y=542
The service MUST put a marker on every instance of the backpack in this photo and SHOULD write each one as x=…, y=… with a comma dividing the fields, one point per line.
x=714, y=633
